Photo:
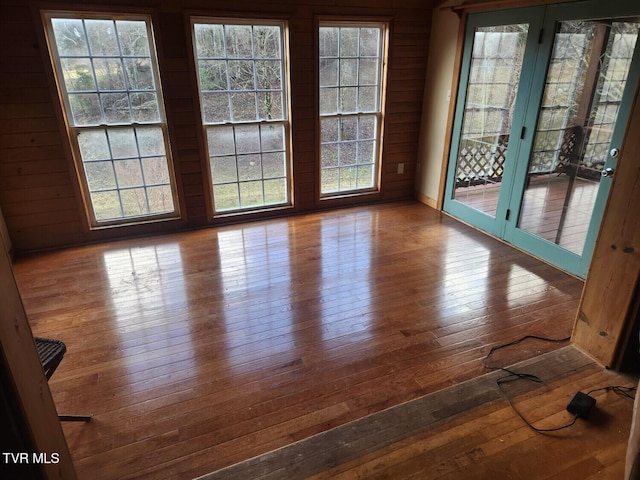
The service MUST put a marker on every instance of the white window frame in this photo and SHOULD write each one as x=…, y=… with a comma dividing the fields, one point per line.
x=341, y=116
x=110, y=127
x=257, y=123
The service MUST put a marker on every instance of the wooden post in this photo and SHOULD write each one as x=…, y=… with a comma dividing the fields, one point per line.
x=605, y=311
x=29, y=381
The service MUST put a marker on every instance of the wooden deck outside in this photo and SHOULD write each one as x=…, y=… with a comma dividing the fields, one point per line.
x=543, y=206
x=199, y=350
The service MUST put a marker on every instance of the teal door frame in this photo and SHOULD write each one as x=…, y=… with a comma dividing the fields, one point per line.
x=542, y=22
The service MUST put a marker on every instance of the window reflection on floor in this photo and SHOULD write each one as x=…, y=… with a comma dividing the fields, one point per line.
x=146, y=286
x=256, y=284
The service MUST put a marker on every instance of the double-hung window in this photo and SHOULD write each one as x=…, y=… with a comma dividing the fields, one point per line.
x=351, y=84
x=107, y=76
x=242, y=79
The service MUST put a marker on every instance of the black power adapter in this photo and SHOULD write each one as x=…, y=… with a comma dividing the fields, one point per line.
x=581, y=404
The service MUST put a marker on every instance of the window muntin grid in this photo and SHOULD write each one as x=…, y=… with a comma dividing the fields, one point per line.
x=350, y=83
x=108, y=79
x=243, y=98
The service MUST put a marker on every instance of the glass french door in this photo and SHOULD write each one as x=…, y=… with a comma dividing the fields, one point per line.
x=489, y=108
x=536, y=168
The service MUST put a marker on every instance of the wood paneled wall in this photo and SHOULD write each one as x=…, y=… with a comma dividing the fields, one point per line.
x=39, y=194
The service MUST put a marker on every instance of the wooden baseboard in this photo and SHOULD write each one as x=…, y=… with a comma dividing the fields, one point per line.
x=429, y=202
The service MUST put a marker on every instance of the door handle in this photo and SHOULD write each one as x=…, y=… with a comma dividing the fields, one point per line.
x=608, y=172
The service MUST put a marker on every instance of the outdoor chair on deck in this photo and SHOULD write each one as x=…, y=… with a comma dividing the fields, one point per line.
x=51, y=352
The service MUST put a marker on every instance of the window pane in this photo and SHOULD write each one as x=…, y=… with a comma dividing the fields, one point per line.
x=128, y=173
x=243, y=102
x=251, y=194
x=267, y=42
x=139, y=73
x=221, y=141
x=209, y=40
x=215, y=107
x=243, y=106
x=328, y=72
x=144, y=107
x=238, y=41
x=268, y=74
x=116, y=108
x=155, y=171
x=270, y=105
x=224, y=169
x=134, y=202
x=133, y=38
x=247, y=139
x=213, y=75
x=226, y=196
x=329, y=100
x=78, y=76
x=241, y=75
x=100, y=175
x=350, y=63
x=109, y=81
x=160, y=198
x=275, y=191
x=249, y=167
x=274, y=165
x=85, y=109
x=369, y=42
x=272, y=138
x=70, y=37
x=328, y=44
x=106, y=205
x=150, y=141
x=102, y=38
x=122, y=143
x=94, y=145
x=109, y=74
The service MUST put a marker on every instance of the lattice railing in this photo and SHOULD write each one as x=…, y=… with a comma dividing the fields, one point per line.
x=481, y=161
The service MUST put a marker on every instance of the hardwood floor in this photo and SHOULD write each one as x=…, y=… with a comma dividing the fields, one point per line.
x=469, y=431
x=199, y=350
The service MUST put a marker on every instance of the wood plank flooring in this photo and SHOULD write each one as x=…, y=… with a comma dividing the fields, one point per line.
x=469, y=431
x=199, y=350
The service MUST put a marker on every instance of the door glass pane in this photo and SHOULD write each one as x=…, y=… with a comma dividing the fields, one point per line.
x=491, y=92
x=585, y=81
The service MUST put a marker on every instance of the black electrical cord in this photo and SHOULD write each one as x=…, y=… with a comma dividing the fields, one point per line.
x=512, y=376
x=515, y=342
x=620, y=390
x=532, y=378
